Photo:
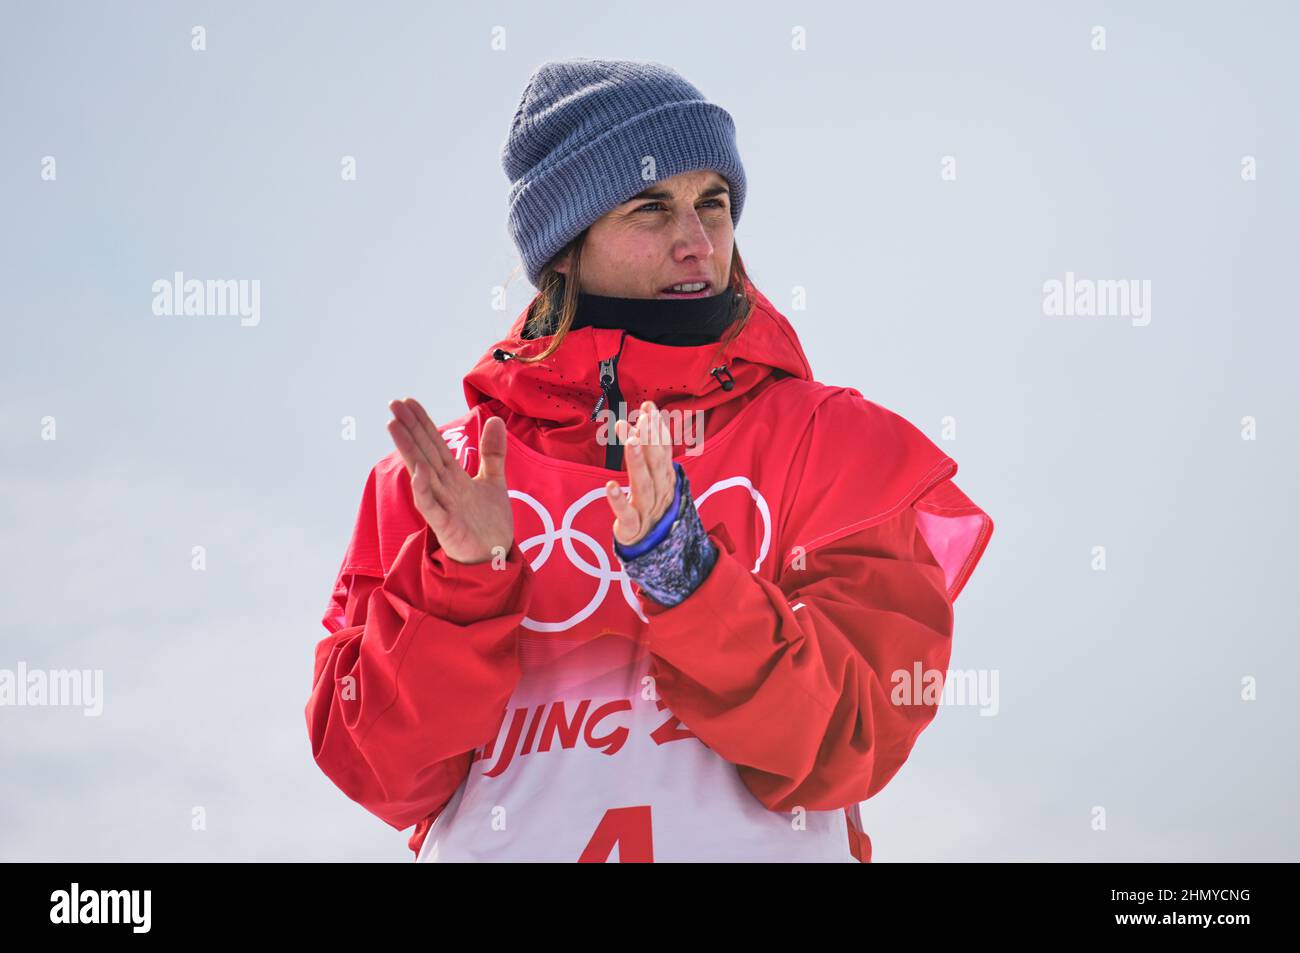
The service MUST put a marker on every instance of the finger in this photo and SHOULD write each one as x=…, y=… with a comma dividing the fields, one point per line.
x=492, y=451
x=660, y=453
x=406, y=420
x=643, y=422
x=428, y=444
x=665, y=433
x=434, y=434
x=425, y=498
x=627, y=524
x=411, y=454
x=435, y=476
x=655, y=456
x=638, y=477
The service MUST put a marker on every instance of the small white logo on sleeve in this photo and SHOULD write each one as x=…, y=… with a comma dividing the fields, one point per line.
x=102, y=906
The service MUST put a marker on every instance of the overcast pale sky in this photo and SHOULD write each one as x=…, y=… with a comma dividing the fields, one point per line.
x=1120, y=689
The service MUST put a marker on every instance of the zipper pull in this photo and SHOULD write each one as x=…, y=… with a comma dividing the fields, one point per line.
x=502, y=355
x=606, y=383
x=611, y=396
x=727, y=384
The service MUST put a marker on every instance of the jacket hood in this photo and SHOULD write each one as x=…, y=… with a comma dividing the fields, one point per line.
x=559, y=395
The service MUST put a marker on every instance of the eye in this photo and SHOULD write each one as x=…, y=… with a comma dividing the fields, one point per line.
x=649, y=205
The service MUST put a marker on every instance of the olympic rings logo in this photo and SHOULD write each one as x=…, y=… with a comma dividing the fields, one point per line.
x=602, y=569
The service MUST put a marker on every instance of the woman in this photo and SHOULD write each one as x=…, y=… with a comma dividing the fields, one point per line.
x=564, y=630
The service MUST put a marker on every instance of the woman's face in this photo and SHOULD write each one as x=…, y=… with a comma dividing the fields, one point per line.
x=678, y=230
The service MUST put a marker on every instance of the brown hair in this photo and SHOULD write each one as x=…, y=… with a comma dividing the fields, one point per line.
x=556, y=305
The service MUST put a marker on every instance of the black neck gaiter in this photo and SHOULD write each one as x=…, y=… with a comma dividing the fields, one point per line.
x=685, y=322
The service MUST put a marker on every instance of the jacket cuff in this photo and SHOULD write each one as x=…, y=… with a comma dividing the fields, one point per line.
x=674, y=567
x=465, y=593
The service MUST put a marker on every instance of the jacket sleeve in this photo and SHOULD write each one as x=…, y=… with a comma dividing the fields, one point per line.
x=416, y=673
x=805, y=676
x=793, y=681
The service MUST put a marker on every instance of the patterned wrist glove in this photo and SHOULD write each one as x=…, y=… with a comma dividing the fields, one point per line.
x=676, y=555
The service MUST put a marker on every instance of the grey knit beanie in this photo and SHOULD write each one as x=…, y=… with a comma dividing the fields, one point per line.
x=581, y=142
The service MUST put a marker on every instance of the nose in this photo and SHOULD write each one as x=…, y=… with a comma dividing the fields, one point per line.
x=692, y=239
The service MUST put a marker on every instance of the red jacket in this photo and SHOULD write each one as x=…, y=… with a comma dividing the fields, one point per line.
x=843, y=544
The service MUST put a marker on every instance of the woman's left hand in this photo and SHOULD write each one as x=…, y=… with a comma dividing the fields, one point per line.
x=648, y=455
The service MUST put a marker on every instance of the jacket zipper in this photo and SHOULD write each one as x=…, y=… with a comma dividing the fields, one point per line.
x=611, y=396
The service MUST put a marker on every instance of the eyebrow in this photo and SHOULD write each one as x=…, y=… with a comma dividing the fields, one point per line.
x=660, y=194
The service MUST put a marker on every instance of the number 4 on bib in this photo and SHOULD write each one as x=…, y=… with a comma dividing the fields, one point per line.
x=629, y=827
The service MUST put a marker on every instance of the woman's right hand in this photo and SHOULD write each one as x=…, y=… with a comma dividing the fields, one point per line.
x=470, y=516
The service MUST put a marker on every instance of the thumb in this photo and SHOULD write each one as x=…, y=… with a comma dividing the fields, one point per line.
x=492, y=452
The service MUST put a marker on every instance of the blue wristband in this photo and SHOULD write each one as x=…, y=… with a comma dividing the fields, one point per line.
x=674, y=567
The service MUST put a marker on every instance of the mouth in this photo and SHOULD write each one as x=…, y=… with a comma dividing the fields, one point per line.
x=689, y=289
